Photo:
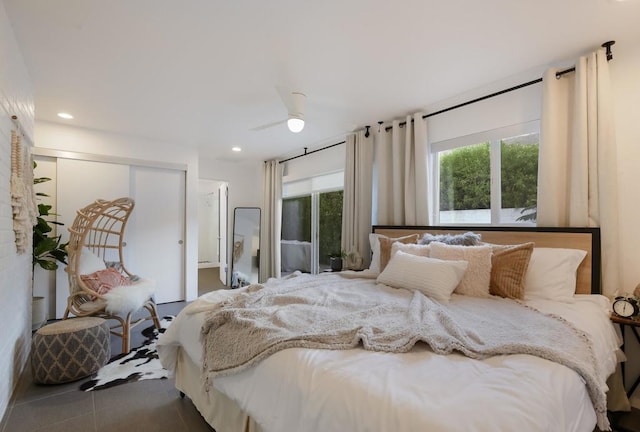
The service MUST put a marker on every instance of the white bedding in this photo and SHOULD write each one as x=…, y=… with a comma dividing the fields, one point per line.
x=295, y=255
x=354, y=390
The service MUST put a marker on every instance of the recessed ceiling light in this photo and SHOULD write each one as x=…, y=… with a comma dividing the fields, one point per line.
x=236, y=149
x=65, y=116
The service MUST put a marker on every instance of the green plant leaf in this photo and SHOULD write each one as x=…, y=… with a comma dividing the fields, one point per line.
x=43, y=209
x=48, y=265
x=47, y=251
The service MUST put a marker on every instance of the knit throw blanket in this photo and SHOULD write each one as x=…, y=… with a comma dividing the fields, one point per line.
x=332, y=312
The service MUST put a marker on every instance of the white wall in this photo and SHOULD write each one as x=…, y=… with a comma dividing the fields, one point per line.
x=511, y=108
x=16, y=97
x=625, y=77
x=72, y=139
x=322, y=162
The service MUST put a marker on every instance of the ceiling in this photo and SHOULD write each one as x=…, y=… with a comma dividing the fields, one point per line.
x=204, y=72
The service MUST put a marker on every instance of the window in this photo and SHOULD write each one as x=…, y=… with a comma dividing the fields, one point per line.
x=487, y=178
x=311, y=222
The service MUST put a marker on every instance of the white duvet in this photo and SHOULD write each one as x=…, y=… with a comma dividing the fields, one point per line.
x=357, y=390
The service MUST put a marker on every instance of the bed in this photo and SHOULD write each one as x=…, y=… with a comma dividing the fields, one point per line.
x=310, y=389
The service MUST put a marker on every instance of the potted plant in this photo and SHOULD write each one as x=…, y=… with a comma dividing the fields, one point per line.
x=48, y=249
x=335, y=260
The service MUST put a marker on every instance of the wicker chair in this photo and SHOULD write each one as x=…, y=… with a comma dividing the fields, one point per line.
x=98, y=231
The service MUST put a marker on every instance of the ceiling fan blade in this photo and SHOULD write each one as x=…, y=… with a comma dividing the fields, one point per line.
x=294, y=101
x=285, y=96
x=268, y=125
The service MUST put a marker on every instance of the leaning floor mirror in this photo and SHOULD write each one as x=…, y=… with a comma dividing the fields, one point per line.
x=245, y=263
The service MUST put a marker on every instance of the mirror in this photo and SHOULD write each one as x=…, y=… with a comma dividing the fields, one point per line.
x=245, y=257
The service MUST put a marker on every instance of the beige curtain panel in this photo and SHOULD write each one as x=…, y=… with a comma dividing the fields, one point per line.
x=357, y=199
x=271, y=221
x=402, y=175
x=577, y=173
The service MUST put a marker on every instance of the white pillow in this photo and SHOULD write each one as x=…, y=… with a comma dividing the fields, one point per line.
x=552, y=274
x=374, y=242
x=477, y=278
x=89, y=262
x=410, y=248
x=433, y=277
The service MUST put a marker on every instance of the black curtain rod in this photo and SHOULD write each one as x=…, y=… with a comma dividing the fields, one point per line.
x=606, y=45
x=306, y=153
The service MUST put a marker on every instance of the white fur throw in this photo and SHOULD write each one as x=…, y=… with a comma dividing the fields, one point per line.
x=329, y=312
x=466, y=239
x=130, y=298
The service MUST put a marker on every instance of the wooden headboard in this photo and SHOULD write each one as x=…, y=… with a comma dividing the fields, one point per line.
x=588, y=239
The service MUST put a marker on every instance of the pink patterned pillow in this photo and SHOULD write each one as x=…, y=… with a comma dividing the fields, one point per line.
x=103, y=280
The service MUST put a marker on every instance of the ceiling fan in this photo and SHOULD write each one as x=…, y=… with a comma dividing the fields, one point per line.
x=294, y=101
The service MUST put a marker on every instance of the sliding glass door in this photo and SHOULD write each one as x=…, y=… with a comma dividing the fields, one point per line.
x=311, y=223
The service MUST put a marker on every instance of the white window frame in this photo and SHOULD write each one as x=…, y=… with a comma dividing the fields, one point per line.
x=493, y=136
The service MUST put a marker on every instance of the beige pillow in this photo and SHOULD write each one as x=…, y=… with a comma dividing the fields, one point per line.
x=376, y=241
x=410, y=248
x=476, y=279
x=432, y=277
x=509, y=266
x=385, y=247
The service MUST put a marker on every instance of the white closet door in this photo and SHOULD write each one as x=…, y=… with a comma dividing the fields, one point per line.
x=157, y=229
x=79, y=183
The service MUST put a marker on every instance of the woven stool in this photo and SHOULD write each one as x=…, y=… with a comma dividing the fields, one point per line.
x=70, y=349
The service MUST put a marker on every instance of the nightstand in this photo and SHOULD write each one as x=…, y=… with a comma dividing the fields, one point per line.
x=634, y=324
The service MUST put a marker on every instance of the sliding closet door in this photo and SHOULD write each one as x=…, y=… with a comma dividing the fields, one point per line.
x=79, y=183
x=157, y=229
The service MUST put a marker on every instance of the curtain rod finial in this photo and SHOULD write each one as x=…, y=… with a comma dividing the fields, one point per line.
x=607, y=45
x=366, y=134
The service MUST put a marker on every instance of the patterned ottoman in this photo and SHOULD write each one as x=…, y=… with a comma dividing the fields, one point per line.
x=70, y=349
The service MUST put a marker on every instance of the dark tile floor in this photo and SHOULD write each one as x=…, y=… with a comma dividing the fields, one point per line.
x=151, y=405
x=626, y=422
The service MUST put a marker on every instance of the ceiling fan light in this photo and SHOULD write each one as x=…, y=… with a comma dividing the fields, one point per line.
x=295, y=124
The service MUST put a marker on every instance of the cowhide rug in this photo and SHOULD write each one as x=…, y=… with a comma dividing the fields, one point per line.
x=140, y=363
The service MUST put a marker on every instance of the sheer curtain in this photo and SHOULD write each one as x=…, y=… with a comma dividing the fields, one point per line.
x=271, y=221
x=356, y=204
x=403, y=192
x=577, y=174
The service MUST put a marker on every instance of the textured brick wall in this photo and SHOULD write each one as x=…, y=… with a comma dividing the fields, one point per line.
x=16, y=97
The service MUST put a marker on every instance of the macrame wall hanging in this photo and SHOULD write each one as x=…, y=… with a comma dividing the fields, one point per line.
x=23, y=200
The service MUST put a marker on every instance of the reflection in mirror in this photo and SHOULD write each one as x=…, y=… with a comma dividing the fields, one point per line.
x=212, y=235
x=246, y=246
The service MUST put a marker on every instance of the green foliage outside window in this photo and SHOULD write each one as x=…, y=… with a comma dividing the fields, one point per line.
x=519, y=175
x=330, y=225
x=465, y=176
